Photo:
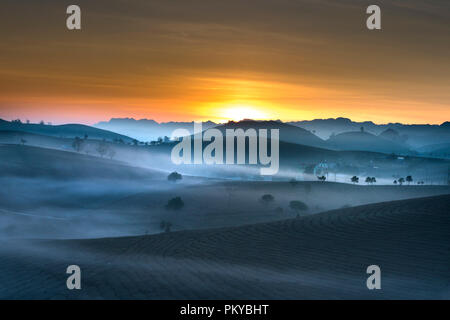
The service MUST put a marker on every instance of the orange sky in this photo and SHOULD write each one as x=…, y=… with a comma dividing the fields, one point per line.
x=288, y=60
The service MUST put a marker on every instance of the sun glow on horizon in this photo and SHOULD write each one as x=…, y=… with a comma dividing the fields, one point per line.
x=241, y=112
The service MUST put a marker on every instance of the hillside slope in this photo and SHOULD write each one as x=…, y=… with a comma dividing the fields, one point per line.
x=63, y=131
x=364, y=141
x=322, y=256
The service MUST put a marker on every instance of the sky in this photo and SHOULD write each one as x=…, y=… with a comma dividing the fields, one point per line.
x=225, y=60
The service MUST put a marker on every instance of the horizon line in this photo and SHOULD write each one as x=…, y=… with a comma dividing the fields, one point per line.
x=11, y=119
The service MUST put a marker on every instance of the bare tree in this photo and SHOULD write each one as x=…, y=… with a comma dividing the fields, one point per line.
x=77, y=144
x=298, y=206
x=111, y=153
x=102, y=148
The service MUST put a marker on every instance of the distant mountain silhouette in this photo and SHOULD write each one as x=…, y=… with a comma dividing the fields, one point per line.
x=411, y=136
x=63, y=131
x=414, y=135
x=364, y=141
x=288, y=133
x=440, y=150
x=145, y=129
x=393, y=135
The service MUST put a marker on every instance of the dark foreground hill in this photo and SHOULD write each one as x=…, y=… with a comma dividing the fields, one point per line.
x=319, y=256
x=36, y=162
x=63, y=131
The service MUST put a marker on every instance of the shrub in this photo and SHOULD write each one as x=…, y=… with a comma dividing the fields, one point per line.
x=175, y=204
x=298, y=206
x=279, y=210
x=174, y=176
x=267, y=198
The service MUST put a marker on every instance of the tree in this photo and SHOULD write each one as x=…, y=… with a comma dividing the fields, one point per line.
x=267, y=198
x=77, y=144
x=298, y=206
x=174, y=176
x=409, y=179
x=293, y=182
x=175, y=204
x=102, y=148
x=165, y=226
x=111, y=153
x=395, y=182
x=322, y=178
x=355, y=179
x=401, y=181
x=370, y=180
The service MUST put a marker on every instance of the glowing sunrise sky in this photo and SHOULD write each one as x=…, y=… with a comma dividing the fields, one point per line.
x=195, y=60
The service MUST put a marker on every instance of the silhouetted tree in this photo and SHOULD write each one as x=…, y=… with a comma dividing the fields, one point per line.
x=298, y=206
x=401, y=181
x=165, y=226
x=102, y=148
x=174, y=176
x=279, y=210
x=111, y=153
x=77, y=144
x=370, y=180
x=395, y=182
x=322, y=178
x=355, y=179
x=409, y=179
x=175, y=204
x=267, y=198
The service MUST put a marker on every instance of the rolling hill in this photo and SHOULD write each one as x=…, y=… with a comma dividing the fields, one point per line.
x=364, y=141
x=63, y=131
x=288, y=133
x=323, y=256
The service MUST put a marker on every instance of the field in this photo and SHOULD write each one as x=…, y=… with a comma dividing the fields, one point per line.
x=320, y=256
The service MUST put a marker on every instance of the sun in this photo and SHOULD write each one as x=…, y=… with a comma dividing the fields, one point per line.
x=240, y=112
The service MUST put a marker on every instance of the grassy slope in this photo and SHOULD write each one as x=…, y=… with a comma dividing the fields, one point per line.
x=320, y=256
